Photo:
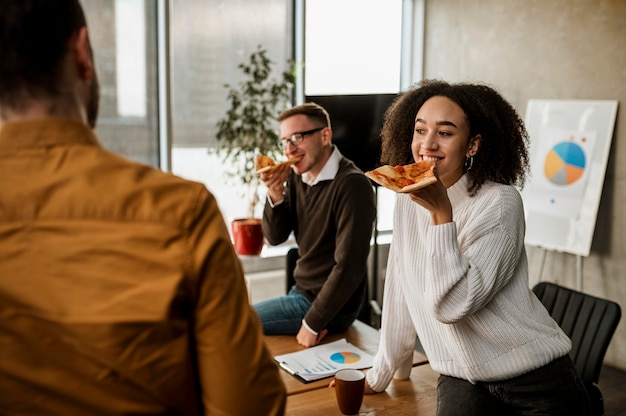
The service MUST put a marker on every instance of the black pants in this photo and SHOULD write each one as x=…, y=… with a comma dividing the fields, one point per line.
x=553, y=390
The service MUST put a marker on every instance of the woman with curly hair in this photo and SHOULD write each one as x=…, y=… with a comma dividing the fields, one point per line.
x=457, y=273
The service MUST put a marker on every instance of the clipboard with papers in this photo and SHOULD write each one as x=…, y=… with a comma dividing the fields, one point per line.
x=324, y=360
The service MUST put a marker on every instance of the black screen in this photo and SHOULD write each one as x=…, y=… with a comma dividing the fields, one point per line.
x=356, y=121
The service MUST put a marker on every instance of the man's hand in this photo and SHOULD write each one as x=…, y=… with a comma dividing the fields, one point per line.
x=309, y=339
x=275, y=182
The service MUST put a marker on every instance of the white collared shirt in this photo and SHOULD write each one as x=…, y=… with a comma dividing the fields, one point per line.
x=328, y=172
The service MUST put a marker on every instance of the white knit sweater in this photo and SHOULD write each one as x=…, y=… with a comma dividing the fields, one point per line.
x=463, y=287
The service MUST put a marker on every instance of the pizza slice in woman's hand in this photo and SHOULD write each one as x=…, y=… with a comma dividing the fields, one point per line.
x=404, y=178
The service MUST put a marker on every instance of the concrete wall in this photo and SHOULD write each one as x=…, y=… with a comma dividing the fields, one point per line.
x=550, y=49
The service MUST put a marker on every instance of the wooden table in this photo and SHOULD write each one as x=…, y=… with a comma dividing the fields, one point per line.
x=363, y=336
x=415, y=396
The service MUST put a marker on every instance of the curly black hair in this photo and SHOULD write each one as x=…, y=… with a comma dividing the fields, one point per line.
x=503, y=152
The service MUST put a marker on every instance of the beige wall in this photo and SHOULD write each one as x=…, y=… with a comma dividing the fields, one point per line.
x=551, y=49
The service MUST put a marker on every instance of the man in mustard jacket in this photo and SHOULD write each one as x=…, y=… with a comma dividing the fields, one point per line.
x=120, y=291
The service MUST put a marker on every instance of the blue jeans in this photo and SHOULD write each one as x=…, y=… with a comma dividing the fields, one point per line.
x=283, y=315
x=555, y=389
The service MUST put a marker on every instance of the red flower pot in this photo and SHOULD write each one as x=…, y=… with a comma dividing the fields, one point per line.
x=247, y=236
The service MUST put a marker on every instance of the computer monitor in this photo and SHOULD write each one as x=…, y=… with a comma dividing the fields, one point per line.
x=356, y=122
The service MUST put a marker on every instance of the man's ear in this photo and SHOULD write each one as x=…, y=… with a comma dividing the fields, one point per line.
x=83, y=56
x=474, y=145
x=327, y=135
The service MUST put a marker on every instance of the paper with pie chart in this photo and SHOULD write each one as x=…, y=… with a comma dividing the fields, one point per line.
x=570, y=143
x=560, y=171
x=565, y=163
x=324, y=360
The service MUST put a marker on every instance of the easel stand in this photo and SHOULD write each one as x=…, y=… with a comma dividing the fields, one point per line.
x=579, y=269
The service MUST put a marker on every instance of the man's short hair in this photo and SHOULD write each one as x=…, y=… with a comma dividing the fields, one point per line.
x=311, y=110
x=34, y=37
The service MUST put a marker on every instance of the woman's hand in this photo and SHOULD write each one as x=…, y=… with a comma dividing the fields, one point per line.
x=368, y=389
x=435, y=199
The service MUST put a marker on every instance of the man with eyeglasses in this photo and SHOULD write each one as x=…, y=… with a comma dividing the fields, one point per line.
x=328, y=203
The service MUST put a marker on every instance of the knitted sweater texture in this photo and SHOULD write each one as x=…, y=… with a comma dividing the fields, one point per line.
x=462, y=287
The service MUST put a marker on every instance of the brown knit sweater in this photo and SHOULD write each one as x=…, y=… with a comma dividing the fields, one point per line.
x=332, y=222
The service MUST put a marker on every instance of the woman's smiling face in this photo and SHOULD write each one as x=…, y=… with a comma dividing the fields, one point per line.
x=442, y=135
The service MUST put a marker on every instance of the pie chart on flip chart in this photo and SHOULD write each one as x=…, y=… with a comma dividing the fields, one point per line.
x=345, y=357
x=565, y=163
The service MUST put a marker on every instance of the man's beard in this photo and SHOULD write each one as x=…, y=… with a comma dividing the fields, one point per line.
x=93, y=102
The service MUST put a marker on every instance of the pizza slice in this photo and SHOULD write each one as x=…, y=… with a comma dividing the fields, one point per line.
x=404, y=178
x=263, y=163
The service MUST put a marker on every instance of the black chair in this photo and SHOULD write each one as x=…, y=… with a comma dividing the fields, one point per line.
x=370, y=311
x=590, y=322
x=291, y=259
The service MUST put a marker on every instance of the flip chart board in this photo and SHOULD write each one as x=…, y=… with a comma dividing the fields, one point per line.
x=569, y=149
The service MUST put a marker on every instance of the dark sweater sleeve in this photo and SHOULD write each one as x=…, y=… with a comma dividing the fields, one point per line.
x=277, y=220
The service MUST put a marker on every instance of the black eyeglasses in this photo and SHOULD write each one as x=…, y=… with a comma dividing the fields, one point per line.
x=296, y=138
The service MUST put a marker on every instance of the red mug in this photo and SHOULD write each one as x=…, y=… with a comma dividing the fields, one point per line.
x=248, y=236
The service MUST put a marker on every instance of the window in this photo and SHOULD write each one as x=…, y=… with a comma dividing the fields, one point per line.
x=209, y=40
x=358, y=54
x=122, y=33
x=352, y=46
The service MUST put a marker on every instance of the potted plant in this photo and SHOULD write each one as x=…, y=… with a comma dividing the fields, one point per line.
x=249, y=127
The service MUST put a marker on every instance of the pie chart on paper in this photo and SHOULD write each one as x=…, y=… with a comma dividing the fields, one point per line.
x=565, y=163
x=345, y=357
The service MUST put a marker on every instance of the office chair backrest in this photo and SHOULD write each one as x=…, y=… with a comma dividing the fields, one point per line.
x=589, y=321
x=291, y=259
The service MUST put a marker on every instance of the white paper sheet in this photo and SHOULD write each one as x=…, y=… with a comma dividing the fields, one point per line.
x=324, y=360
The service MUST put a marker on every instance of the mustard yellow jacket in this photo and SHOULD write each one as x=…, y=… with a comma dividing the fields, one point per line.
x=120, y=292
